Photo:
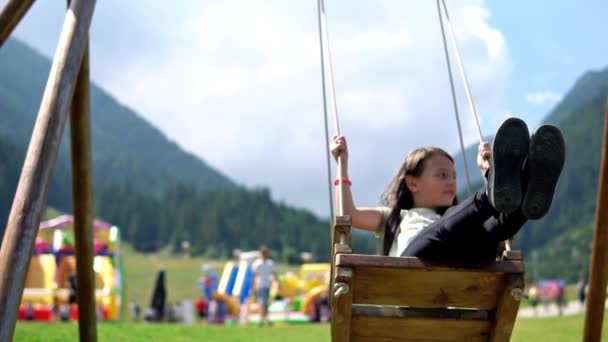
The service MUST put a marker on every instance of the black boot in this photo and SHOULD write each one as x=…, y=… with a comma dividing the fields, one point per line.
x=509, y=152
x=545, y=164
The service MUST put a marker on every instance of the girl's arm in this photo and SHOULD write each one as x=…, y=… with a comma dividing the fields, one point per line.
x=363, y=218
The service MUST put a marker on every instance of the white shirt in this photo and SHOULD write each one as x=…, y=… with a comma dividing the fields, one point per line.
x=413, y=222
x=264, y=269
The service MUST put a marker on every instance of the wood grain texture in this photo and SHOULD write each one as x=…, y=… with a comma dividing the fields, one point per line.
x=508, y=305
x=418, y=329
x=598, y=266
x=361, y=260
x=427, y=289
x=31, y=193
x=10, y=15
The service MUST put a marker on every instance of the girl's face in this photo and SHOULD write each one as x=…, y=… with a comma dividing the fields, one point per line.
x=436, y=186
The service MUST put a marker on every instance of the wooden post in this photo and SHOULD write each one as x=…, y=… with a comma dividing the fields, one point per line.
x=31, y=194
x=598, y=272
x=82, y=199
x=506, y=310
x=10, y=15
x=341, y=306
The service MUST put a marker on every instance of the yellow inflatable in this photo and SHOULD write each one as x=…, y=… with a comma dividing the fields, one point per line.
x=231, y=303
x=40, y=280
x=53, y=262
x=312, y=295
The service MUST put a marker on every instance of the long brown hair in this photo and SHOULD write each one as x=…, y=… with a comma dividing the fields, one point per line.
x=397, y=195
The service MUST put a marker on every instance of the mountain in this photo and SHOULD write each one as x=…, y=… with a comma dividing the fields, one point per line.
x=564, y=236
x=159, y=194
x=474, y=174
x=120, y=138
x=559, y=244
x=9, y=175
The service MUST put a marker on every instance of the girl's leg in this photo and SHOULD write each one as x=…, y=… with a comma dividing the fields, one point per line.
x=466, y=240
x=459, y=235
x=505, y=226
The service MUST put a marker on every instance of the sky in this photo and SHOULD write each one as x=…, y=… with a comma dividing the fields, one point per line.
x=238, y=82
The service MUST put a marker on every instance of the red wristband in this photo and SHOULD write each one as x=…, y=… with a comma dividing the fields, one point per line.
x=344, y=179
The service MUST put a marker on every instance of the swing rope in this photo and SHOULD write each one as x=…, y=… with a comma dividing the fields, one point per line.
x=323, y=32
x=324, y=47
x=324, y=44
x=462, y=72
x=327, y=154
x=454, y=101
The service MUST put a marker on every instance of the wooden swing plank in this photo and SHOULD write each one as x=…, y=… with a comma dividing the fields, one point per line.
x=362, y=260
x=427, y=289
x=368, y=328
x=410, y=299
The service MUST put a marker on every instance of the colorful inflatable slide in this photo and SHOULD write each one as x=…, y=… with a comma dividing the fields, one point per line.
x=235, y=284
x=47, y=284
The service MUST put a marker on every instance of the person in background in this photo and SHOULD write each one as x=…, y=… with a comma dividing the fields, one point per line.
x=581, y=292
x=534, y=297
x=208, y=284
x=135, y=310
x=264, y=272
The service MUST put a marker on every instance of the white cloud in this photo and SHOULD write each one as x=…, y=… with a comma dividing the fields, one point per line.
x=543, y=97
x=238, y=83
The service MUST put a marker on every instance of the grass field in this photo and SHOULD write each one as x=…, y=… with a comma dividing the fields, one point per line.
x=556, y=329
x=182, y=274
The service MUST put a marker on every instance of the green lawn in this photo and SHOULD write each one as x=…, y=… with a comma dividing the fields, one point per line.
x=165, y=332
x=532, y=329
x=181, y=273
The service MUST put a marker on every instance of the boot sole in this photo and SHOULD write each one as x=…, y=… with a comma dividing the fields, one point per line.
x=509, y=152
x=546, y=161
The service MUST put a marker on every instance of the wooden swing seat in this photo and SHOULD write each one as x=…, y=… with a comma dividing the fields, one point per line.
x=380, y=298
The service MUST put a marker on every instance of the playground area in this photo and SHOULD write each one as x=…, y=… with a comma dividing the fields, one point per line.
x=466, y=285
x=181, y=280
x=215, y=292
x=49, y=291
x=551, y=329
x=298, y=296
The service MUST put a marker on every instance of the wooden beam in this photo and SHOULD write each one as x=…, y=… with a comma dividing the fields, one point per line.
x=10, y=15
x=508, y=305
x=362, y=260
x=598, y=272
x=31, y=194
x=390, y=329
x=82, y=199
x=342, y=226
x=340, y=231
x=342, y=307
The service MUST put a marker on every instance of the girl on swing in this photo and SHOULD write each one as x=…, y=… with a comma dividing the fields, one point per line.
x=421, y=218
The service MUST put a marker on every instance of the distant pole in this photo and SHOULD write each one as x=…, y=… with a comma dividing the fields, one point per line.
x=10, y=15
x=82, y=199
x=598, y=273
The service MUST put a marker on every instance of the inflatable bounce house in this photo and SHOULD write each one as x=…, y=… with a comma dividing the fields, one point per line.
x=308, y=291
x=294, y=298
x=50, y=281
